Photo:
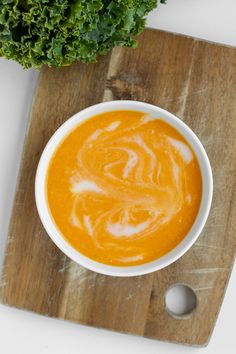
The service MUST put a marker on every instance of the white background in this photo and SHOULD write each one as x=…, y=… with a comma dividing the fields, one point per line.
x=22, y=332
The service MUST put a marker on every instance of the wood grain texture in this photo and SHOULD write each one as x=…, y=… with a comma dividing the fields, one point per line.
x=195, y=80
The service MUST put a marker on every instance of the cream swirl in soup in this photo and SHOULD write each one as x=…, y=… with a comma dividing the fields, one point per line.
x=124, y=188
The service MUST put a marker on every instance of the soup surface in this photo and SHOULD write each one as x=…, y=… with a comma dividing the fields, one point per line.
x=124, y=188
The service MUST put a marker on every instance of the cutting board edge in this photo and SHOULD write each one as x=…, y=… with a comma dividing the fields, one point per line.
x=195, y=38
x=18, y=174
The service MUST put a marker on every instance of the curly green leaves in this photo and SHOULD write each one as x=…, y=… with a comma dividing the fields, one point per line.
x=59, y=32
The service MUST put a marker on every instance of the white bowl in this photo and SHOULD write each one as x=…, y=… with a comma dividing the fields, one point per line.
x=168, y=258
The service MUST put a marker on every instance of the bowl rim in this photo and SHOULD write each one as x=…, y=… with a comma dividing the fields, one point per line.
x=57, y=237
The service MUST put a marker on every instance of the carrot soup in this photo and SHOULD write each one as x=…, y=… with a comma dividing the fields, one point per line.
x=124, y=188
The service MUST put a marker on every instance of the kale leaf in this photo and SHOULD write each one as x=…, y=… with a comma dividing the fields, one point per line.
x=59, y=32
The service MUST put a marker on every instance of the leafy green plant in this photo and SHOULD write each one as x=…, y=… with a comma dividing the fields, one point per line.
x=59, y=32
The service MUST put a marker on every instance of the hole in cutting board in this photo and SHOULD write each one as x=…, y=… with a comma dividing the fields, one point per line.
x=180, y=300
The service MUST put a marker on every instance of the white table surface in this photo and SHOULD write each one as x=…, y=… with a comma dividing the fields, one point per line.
x=22, y=332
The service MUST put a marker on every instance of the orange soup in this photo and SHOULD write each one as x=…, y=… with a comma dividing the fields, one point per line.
x=124, y=188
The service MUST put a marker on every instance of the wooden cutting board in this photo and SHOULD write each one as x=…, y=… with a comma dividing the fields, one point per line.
x=196, y=81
